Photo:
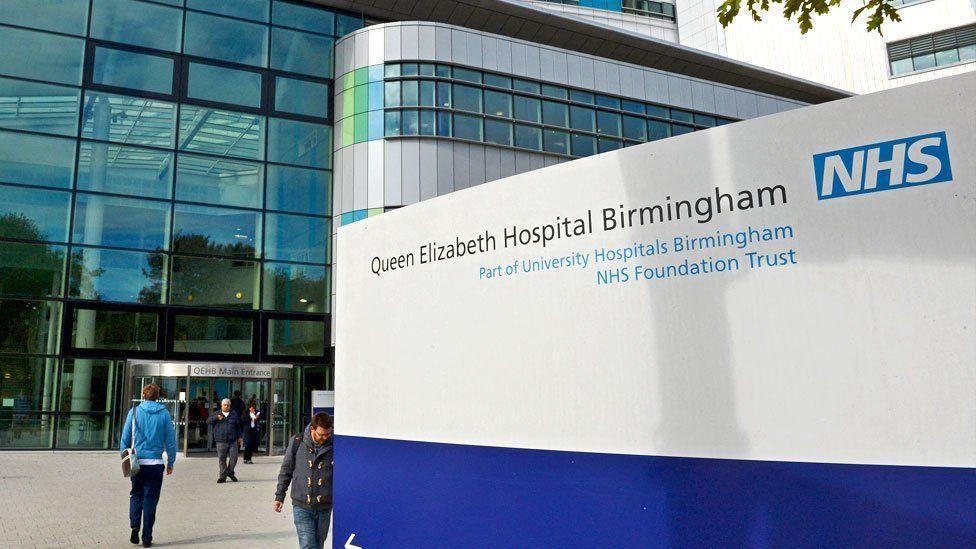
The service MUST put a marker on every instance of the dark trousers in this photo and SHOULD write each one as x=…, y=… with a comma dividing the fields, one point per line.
x=312, y=526
x=251, y=441
x=143, y=498
x=225, y=466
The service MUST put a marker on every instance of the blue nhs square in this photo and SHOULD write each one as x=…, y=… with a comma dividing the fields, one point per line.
x=885, y=166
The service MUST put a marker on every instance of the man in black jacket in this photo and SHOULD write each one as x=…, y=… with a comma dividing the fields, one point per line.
x=226, y=427
x=307, y=467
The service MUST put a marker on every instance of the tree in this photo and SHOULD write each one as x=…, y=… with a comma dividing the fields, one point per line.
x=877, y=10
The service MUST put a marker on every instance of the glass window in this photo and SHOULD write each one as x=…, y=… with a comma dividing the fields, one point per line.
x=347, y=23
x=296, y=337
x=29, y=327
x=528, y=137
x=581, y=96
x=967, y=53
x=299, y=190
x=498, y=132
x=442, y=71
x=657, y=130
x=298, y=288
x=947, y=57
x=392, y=93
x=467, y=98
x=428, y=122
x=606, y=101
x=128, y=120
x=498, y=81
x=300, y=143
x=245, y=9
x=606, y=145
x=635, y=128
x=411, y=93
x=231, y=40
x=555, y=114
x=34, y=270
x=303, y=97
x=224, y=85
x=923, y=62
x=682, y=116
x=33, y=214
x=583, y=145
x=122, y=222
x=528, y=109
x=41, y=56
x=67, y=16
x=125, y=170
x=902, y=66
x=392, y=123
x=607, y=123
x=221, y=181
x=525, y=85
x=296, y=238
x=427, y=93
x=213, y=334
x=27, y=384
x=558, y=92
x=119, y=330
x=582, y=118
x=137, y=23
x=704, y=120
x=498, y=103
x=115, y=275
x=632, y=106
x=444, y=123
x=467, y=127
x=443, y=94
x=555, y=141
x=128, y=69
x=303, y=17
x=38, y=107
x=300, y=52
x=392, y=70
x=678, y=129
x=468, y=75
x=408, y=69
x=222, y=133
x=36, y=160
x=209, y=282
x=216, y=231
x=660, y=112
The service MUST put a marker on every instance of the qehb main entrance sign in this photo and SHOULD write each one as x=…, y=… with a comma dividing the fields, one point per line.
x=733, y=337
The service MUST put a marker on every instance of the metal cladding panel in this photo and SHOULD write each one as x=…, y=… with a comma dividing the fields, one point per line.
x=560, y=67
x=348, y=180
x=533, y=69
x=703, y=96
x=442, y=41
x=445, y=167
x=537, y=161
x=461, y=166
x=427, y=38
x=489, y=57
x=600, y=79
x=476, y=165
x=503, y=55
x=493, y=169
x=519, y=66
x=428, y=169
x=779, y=354
x=725, y=101
x=410, y=42
x=360, y=175
x=459, y=46
x=523, y=161
x=410, y=165
x=574, y=75
x=613, y=78
x=375, y=173
x=679, y=90
x=766, y=105
x=376, y=48
x=547, y=65
x=361, y=57
x=506, y=159
x=392, y=188
x=656, y=87
x=391, y=46
x=475, y=49
x=336, y=185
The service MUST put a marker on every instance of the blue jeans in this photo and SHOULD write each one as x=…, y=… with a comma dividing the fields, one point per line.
x=143, y=498
x=312, y=526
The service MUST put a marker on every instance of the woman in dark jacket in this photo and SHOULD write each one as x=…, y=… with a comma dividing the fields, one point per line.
x=251, y=422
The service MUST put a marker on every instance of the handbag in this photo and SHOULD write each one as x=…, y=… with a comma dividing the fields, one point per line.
x=130, y=460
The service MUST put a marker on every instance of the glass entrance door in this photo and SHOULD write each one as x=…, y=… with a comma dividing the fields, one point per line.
x=200, y=404
x=258, y=393
x=171, y=388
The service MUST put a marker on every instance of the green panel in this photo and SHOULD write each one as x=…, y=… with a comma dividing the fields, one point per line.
x=347, y=132
x=361, y=127
x=362, y=97
x=346, y=81
x=361, y=75
x=348, y=102
x=374, y=211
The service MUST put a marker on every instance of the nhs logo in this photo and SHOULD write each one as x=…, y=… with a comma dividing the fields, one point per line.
x=886, y=166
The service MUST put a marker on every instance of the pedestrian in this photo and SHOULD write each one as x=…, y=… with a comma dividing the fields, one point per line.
x=154, y=433
x=237, y=404
x=226, y=427
x=307, y=467
x=252, y=431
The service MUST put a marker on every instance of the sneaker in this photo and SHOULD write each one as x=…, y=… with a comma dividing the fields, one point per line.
x=134, y=537
x=147, y=543
x=221, y=480
x=232, y=477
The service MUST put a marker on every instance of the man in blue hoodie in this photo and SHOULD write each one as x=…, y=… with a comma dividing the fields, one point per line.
x=154, y=432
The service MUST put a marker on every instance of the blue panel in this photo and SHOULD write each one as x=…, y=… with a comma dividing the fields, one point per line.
x=609, y=5
x=393, y=493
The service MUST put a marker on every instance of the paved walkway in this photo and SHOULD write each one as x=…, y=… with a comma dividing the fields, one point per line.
x=71, y=499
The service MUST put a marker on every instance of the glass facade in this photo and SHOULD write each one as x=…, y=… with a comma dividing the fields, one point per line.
x=165, y=175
